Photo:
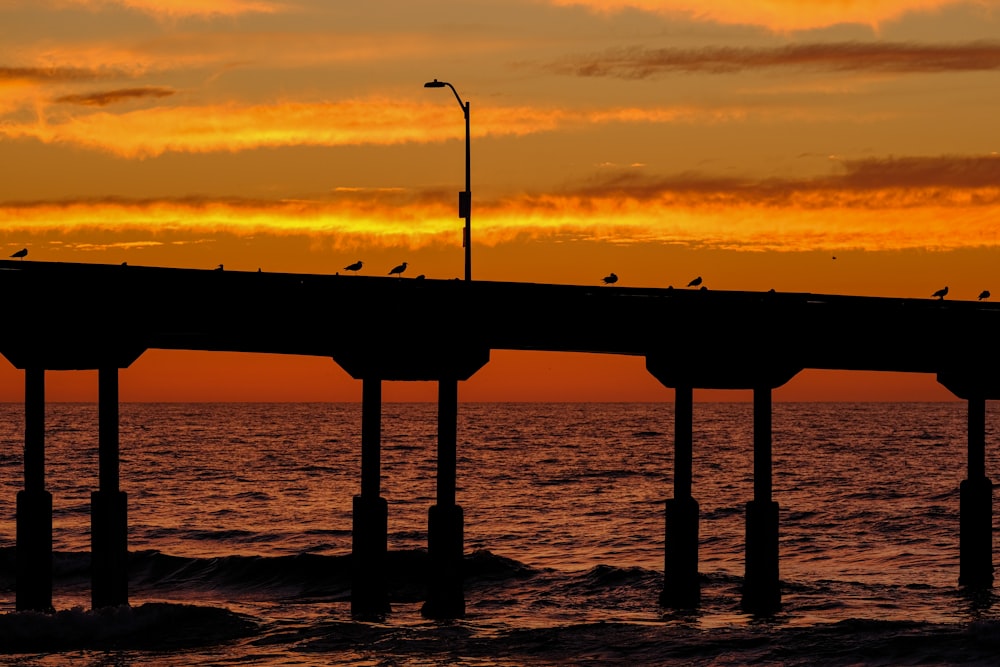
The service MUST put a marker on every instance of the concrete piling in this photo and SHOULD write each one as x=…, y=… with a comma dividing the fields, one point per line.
x=109, y=512
x=34, y=505
x=976, y=506
x=369, y=592
x=445, y=525
x=681, y=586
x=761, y=584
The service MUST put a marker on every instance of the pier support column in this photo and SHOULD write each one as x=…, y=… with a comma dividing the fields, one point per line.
x=108, y=505
x=681, y=586
x=445, y=594
x=976, y=506
x=369, y=592
x=761, y=586
x=34, y=505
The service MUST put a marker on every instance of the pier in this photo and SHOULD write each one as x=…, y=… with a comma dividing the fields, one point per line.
x=104, y=317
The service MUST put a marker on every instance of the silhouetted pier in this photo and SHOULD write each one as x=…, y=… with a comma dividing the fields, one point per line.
x=103, y=317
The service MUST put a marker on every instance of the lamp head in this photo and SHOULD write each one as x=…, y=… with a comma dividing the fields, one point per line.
x=435, y=84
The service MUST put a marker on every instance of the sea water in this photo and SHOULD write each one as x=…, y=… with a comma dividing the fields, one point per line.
x=240, y=536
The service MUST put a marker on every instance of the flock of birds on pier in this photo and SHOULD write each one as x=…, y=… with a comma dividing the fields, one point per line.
x=612, y=278
x=609, y=279
x=396, y=270
x=943, y=292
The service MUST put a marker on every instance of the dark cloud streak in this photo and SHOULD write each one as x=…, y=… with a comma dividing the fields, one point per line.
x=921, y=172
x=857, y=180
x=49, y=74
x=104, y=98
x=867, y=183
x=641, y=63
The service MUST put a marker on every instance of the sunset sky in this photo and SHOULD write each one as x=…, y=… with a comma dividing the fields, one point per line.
x=828, y=146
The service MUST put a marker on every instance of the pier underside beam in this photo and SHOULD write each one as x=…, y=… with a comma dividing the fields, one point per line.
x=373, y=362
x=760, y=368
x=34, y=505
x=445, y=527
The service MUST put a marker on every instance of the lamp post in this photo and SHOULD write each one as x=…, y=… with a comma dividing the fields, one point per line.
x=464, y=198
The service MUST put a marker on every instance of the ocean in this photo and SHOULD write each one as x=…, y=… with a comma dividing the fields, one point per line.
x=240, y=536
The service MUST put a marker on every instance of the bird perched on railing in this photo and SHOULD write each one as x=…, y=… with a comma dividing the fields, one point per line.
x=354, y=267
x=219, y=267
x=941, y=293
x=20, y=253
x=398, y=270
x=695, y=282
x=610, y=279
x=985, y=294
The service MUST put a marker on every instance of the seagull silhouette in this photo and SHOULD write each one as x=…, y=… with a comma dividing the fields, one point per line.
x=985, y=294
x=20, y=253
x=610, y=279
x=219, y=267
x=695, y=282
x=941, y=293
x=354, y=267
x=398, y=270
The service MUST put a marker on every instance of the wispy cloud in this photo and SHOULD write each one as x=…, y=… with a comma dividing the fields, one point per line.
x=106, y=97
x=778, y=15
x=150, y=132
x=369, y=121
x=182, y=49
x=178, y=8
x=640, y=63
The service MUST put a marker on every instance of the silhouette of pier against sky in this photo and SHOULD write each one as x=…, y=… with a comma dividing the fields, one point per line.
x=103, y=317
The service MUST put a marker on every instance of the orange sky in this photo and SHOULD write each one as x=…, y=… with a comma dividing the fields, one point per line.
x=746, y=142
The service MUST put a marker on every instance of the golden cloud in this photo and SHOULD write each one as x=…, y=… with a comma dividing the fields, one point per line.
x=419, y=224
x=778, y=15
x=232, y=127
x=940, y=203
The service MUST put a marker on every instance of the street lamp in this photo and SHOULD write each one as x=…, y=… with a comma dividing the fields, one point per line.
x=464, y=198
